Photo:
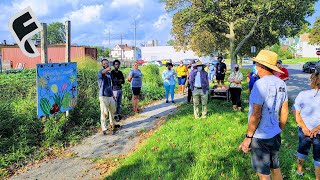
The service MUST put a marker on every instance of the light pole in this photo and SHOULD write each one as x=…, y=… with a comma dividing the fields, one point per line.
x=135, y=40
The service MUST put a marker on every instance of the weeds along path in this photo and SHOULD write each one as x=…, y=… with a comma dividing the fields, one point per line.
x=90, y=158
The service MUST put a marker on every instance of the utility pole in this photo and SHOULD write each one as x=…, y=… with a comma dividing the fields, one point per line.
x=121, y=48
x=109, y=44
x=135, y=41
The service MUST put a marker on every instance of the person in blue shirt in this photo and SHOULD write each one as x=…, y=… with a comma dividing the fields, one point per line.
x=135, y=78
x=211, y=71
x=169, y=82
x=306, y=111
x=106, y=98
x=267, y=117
x=252, y=77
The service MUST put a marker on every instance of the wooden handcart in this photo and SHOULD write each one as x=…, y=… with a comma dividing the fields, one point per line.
x=220, y=91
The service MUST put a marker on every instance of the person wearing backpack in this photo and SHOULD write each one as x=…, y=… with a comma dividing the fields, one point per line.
x=221, y=71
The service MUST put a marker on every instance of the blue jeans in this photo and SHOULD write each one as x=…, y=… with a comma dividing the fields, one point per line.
x=118, y=101
x=305, y=145
x=211, y=76
x=170, y=89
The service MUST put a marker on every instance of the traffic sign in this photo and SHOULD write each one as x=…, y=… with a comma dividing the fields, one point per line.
x=253, y=49
x=318, y=53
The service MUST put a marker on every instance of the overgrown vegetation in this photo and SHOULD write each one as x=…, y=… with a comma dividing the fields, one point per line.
x=185, y=148
x=23, y=137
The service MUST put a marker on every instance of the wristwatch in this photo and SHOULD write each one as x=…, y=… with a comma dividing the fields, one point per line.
x=250, y=137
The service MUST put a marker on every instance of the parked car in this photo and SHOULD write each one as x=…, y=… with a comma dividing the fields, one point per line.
x=188, y=61
x=165, y=61
x=247, y=60
x=158, y=63
x=140, y=62
x=309, y=67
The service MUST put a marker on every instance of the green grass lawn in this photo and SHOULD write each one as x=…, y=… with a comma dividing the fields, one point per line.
x=185, y=148
x=298, y=60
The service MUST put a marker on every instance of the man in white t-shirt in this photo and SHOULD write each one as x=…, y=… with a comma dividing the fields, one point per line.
x=268, y=114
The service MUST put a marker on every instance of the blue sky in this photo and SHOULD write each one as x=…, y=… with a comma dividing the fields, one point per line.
x=92, y=20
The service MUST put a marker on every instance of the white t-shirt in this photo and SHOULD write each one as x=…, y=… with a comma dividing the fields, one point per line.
x=197, y=82
x=271, y=93
x=308, y=103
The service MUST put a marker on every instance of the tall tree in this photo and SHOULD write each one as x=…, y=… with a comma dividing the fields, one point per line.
x=56, y=33
x=315, y=32
x=170, y=42
x=216, y=25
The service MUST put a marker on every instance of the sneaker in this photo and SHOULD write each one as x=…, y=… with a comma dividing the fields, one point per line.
x=111, y=129
x=173, y=102
x=116, y=117
x=167, y=101
x=104, y=132
x=117, y=126
x=299, y=174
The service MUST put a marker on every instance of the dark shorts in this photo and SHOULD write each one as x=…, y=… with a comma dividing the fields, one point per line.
x=265, y=154
x=220, y=77
x=305, y=145
x=136, y=91
x=182, y=80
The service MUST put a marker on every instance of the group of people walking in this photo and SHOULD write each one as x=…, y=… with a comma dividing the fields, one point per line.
x=268, y=105
x=110, y=93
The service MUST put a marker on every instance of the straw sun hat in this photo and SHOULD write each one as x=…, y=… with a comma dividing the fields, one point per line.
x=268, y=59
x=199, y=63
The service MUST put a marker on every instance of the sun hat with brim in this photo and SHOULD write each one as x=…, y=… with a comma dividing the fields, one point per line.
x=268, y=59
x=199, y=63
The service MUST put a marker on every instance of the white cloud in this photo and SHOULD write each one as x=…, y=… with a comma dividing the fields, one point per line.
x=163, y=21
x=121, y=3
x=85, y=15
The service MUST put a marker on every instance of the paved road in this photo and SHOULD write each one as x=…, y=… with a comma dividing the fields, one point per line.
x=299, y=81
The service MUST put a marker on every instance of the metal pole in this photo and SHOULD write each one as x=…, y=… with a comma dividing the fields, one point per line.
x=121, y=47
x=68, y=47
x=109, y=45
x=135, y=41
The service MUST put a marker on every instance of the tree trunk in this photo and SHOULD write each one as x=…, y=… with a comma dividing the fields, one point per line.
x=232, y=37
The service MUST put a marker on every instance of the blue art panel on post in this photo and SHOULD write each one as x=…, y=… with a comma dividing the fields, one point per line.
x=56, y=88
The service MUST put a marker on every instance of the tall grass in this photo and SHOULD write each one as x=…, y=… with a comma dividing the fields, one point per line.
x=23, y=137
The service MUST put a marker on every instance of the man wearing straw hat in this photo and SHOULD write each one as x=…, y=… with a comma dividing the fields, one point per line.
x=268, y=114
x=199, y=85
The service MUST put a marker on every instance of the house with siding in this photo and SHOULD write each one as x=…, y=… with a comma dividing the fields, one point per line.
x=125, y=52
x=304, y=49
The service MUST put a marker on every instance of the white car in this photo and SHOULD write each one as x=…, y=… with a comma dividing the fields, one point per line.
x=158, y=63
x=247, y=60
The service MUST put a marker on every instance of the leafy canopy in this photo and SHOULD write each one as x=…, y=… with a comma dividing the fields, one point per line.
x=315, y=32
x=216, y=25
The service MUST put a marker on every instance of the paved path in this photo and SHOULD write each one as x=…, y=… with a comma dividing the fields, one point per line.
x=81, y=166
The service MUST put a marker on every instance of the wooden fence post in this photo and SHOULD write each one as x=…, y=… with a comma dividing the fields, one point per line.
x=68, y=48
